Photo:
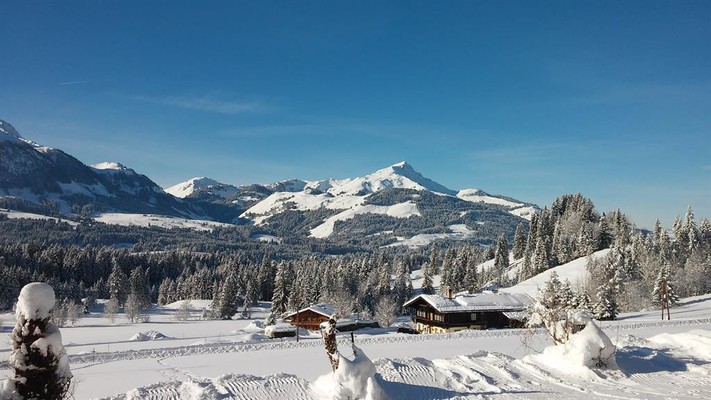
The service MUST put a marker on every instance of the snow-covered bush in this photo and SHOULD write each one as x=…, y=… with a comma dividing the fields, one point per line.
x=183, y=312
x=585, y=350
x=556, y=312
x=111, y=308
x=38, y=358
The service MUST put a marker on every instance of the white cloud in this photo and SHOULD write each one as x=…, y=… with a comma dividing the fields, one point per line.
x=206, y=103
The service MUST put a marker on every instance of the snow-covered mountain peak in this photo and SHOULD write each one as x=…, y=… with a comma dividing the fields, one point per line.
x=398, y=176
x=112, y=167
x=185, y=189
x=289, y=185
x=8, y=132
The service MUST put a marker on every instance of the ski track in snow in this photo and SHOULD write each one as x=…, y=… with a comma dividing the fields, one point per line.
x=483, y=374
x=480, y=375
x=85, y=359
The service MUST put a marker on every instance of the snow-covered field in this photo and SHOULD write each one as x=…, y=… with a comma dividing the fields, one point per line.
x=19, y=214
x=233, y=359
x=162, y=221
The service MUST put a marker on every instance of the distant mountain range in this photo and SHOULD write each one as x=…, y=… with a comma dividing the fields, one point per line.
x=396, y=202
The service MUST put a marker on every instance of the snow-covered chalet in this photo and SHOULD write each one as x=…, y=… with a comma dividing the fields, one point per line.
x=443, y=314
x=310, y=317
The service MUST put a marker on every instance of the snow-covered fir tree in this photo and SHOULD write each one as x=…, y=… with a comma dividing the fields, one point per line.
x=427, y=282
x=280, y=298
x=118, y=285
x=38, y=358
x=501, y=259
x=138, y=284
x=229, y=296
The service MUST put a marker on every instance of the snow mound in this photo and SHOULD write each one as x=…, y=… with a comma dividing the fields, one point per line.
x=36, y=301
x=254, y=327
x=147, y=336
x=354, y=379
x=588, y=349
x=696, y=343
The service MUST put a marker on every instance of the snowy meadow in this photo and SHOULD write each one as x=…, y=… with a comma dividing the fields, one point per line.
x=204, y=359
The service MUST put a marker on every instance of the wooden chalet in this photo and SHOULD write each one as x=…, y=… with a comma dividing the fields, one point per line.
x=440, y=314
x=311, y=317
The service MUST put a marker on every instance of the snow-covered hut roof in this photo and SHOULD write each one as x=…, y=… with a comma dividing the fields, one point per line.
x=324, y=309
x=464, y=302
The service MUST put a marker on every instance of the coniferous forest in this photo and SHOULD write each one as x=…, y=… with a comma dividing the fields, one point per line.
x=135, y=267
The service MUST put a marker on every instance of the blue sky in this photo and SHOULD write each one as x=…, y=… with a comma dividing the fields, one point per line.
x=526, y=99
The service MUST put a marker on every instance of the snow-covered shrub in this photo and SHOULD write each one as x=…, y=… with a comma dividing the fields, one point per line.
x=111, y=308
x=38, y=358
x=74, y=311
x=560, y=323
x=354, y=379
x=183, y=312
x=585, y=350
x=556, y=312
x=385, y=311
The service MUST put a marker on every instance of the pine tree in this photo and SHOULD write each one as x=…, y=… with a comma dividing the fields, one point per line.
x=567, y=297
x=540, y=257
x=471, y=279
x=582, y=301
x=280, y=298
x=427, y=283
x=402, y=288
x=228, y=297
x=501, y=259
x=118, y=285
x=550, y=295
x=519, y=245
x=604, y=237
x=606, y=307
x=447, y=270
x=139, y=288
x=41, y=371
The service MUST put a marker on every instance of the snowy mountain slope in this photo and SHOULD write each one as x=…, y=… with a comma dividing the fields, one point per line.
x=396, y=176
x=353, y=201
x=476, y=195
x=191, y=186
x=573, y=271
x=395, y=199
x=59, y=182
x=110, y=167
x=456, y=232
x=9, y=133
x=401, y=210
x=148, y=220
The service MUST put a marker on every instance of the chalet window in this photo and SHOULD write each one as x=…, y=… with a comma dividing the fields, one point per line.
x=473, y=316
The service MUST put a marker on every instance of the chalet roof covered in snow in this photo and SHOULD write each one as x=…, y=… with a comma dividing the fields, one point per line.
x=462, y=302
x=324, y=309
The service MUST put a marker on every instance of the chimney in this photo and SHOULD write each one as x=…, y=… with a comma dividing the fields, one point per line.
x=449, y=292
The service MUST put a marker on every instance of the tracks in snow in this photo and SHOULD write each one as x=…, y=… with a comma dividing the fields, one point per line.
x=215, y=348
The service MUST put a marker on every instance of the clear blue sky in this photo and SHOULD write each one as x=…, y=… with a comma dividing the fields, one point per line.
x=527, y=99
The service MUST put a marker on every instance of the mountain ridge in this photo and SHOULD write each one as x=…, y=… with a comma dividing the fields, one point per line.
x=395, y=203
